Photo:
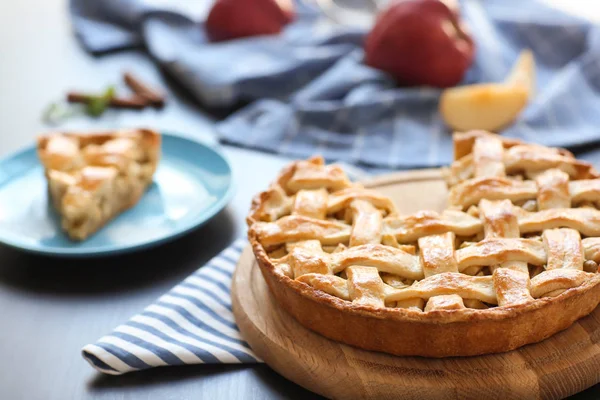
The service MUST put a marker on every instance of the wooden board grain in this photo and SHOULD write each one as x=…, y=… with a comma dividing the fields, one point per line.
x=562, y=365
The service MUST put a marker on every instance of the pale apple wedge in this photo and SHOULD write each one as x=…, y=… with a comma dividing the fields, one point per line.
x=523, y=72
x=494, y=105
x=484, y=106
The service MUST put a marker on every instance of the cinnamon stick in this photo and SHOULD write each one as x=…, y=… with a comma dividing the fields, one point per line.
x=133, y=102
x=153, y=96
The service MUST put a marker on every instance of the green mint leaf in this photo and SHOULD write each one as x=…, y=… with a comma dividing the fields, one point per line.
x=96, y=105
x=109, y=93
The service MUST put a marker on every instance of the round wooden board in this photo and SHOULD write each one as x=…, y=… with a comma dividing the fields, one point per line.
x=560, y=366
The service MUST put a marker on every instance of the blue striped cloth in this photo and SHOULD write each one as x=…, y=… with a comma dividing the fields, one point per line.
x=309, y=91
x=191, y=324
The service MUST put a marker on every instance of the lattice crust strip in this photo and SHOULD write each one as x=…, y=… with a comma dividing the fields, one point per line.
x=350, y=242
x=410, y=228
x=489, y=167
x=437, y=269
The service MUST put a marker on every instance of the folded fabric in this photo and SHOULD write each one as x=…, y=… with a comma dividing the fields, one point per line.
x=311, y=93
x=191, y=324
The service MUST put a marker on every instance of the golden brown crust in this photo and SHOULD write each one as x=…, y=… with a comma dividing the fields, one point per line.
x=443, y=333
x=416, y=285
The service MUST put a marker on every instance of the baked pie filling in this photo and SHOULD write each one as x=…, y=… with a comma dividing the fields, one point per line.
x=92, y=178
x=522, y=231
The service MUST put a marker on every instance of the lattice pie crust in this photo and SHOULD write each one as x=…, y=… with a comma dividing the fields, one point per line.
x=513, y=260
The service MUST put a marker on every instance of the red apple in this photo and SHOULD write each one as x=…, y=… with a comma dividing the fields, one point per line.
x=230, y=19
x=420, y=42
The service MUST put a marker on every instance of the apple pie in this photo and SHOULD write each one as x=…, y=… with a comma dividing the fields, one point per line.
x=511, y=261
x=94, y=177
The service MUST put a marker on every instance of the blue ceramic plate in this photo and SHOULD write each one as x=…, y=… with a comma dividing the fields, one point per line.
x=193, y=182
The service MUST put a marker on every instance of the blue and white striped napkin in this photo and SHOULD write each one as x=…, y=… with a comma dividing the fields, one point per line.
x=191, y=324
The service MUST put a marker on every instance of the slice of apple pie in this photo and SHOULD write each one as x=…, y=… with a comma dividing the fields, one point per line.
x=94, y=177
